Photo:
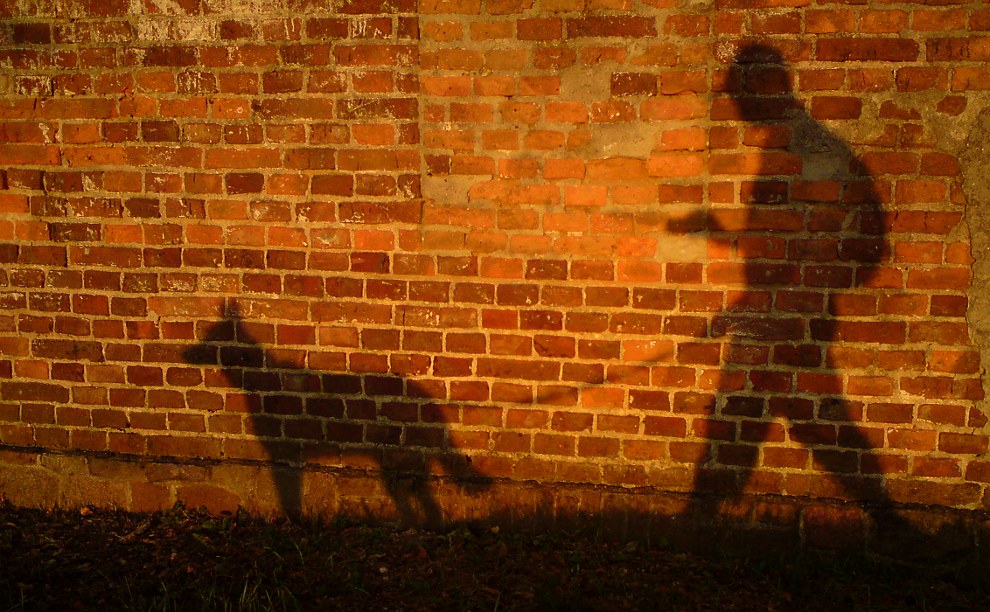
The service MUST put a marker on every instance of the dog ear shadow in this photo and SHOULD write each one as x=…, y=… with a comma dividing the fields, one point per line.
x=207, y=351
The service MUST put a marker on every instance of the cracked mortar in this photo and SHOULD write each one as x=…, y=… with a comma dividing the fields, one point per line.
x=974, y=158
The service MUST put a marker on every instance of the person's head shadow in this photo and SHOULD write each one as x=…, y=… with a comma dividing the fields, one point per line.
x=383, y=421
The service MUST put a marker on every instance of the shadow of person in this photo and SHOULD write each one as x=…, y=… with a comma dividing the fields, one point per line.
x=390, y=424
x=804, y=242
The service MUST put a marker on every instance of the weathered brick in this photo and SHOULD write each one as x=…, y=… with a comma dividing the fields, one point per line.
x=866, y=49
x=417, y=214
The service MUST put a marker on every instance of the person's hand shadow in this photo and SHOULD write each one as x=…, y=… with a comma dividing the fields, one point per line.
x=700, y=222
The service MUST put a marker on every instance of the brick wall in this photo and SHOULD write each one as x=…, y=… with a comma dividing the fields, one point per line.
x=717, y=250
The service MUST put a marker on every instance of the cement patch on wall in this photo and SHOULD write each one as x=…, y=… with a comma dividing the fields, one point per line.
x=975, y=161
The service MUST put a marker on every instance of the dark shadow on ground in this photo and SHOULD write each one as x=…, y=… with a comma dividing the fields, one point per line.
x=188, y=560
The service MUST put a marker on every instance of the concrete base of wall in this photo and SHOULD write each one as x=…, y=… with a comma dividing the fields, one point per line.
x=750, y=523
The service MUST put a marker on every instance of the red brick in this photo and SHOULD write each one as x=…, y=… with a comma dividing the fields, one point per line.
x=836, y=107
x=962, y=444
x=626, y=27
x=334, y=237
x=867, y=49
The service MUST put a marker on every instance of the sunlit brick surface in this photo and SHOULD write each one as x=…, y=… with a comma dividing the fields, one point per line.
x=718, y=249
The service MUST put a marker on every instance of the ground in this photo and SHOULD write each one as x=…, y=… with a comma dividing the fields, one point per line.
x=184, y=559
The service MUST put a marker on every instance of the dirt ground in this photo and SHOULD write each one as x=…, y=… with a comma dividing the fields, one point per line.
x=184, y=559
